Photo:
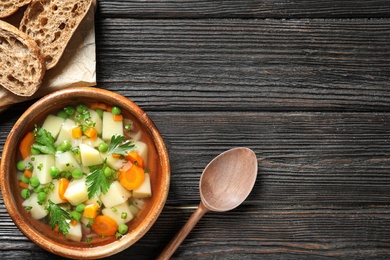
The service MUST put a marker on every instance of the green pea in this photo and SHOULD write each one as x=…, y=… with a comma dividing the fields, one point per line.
x=75, y=215
x=25, y=193
x=35, y=151
x=25, y=179
x=77, y=173
x=66, y=174
x=103, y=147
x=51, y=186
x=62, y=114
x=80, y=208
x=100, y=111
x=54, y=172
x=69, y=110
x=34, y=181
x=38, y=189
x=21, y=166
x=80, y=108
x=108, y=172
x=41, y=196
x=122, y=229
x=64, y=146
x=115, y=110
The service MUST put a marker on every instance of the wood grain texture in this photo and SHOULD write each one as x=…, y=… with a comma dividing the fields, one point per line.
x=246, y=9
x=267, y=65
x=305, y=84
x=322, y=187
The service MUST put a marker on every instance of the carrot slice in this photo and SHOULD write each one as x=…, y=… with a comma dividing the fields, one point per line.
x=116, y=155
x=73, y=222
x=91, y=211
x=91, y=133
x=23, y=185
x=95, y=106
x=25, y=145
x=62, y=186
x=135, y=158
x=104, y=226
x=131, y=177
x=76, y=132
x=117, y=117
x=27, y=173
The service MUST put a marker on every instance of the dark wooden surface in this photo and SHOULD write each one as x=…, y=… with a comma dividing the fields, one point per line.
x=305, y=84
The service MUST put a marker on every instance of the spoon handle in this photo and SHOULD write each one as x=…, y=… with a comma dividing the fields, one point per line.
x=182, y=234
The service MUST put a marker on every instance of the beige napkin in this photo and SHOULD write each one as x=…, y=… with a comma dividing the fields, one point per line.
x=77, y=66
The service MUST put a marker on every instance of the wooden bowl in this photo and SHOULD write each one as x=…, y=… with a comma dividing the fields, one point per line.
x=41, y=233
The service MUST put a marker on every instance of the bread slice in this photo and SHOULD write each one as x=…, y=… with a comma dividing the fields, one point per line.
x=22, y=65
x=8, y=7
x=51, y=23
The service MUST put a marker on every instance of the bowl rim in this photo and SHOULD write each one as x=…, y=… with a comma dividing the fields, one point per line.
x=101, y=250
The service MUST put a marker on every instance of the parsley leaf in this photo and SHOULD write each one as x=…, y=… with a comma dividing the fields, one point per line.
x=97, y=182
x=117, y=146
x=58, y=216
x=44, y=141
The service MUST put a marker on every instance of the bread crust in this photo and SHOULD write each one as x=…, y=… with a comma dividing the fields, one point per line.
x=22, y=63
x=51, y=23
x=9, y=7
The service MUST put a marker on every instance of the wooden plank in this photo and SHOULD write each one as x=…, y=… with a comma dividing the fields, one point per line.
x=311, y=159
x=246, y=9
x=317, y=65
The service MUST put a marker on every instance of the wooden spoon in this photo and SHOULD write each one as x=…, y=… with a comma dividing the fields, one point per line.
x=225, y=183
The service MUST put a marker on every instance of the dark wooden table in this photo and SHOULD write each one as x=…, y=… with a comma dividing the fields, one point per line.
x=305, y=84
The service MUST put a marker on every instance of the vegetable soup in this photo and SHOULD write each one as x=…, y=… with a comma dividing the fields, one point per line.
x=86, y=172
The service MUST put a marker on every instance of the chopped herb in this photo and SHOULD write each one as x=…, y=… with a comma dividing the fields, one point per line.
x=128, y=126
x=28, y=208
x=123, y=215
x=97, y=182
x=44, y=141
x=117, y=146
x=40, y=166
x=69, y=110
x=88, y=239
x=58, y=216
x=83, y=114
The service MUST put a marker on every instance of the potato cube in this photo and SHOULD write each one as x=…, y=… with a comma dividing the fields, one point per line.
x=142, y=150
x=37, y=211
x=92, y=143
x=89, y=155
x=53, y=194
x=96, y=118
x=66, y=161
x=66, y=132
x=115, y=195
x=75, y=233
x=42, y=164
x=114, y=163
x=110, y=126
x=145, y=190
x=120, y=213
x=53, y=125
x=77, y=192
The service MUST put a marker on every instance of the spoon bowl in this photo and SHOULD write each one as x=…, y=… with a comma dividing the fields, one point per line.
x=228, y=179
x=225, y=183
